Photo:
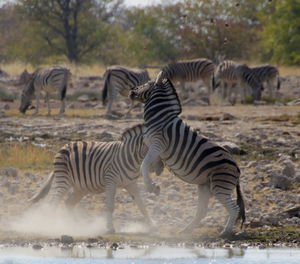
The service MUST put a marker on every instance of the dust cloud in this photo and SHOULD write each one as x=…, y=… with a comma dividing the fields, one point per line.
x=43, y=220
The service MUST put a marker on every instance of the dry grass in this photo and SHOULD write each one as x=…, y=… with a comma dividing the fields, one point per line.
x=25, y=156
x=70, y=113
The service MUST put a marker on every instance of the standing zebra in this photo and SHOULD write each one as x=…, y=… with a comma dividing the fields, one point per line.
x=96, y=167
x=189, y=71
x=270, y=75
x=229, y=75
x=48, y=80
x=121, y=80
x=191, y=157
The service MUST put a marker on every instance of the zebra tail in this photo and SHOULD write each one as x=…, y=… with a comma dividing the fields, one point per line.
x=278, y=83
x=104, y=92
x=43, y=191
x=64, y=89
x=241, y=204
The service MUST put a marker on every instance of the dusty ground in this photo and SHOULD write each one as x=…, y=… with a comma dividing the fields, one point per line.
x=267, y=139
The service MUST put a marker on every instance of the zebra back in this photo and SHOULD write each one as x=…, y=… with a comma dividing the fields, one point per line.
x=189, y=70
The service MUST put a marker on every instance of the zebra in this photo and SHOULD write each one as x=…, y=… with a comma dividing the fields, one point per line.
x=97, y=167
x=48, y=80
x=121, y=80
x=230, y=74
x=189, y=156
x=270, y=75
x=189, y=71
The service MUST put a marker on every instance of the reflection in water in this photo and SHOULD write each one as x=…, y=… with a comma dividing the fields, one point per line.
x=144, y=254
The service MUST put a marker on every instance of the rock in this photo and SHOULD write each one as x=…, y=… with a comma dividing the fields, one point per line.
x=289, y=170
x=37, y=246
x=83, y=98
x=71, y=106
x=10, y=172
x=227, y=116
x=66, y=239
x=114, y=246
x=233, y=148
x=6, y=107
x=293, y=212
x=280, y=181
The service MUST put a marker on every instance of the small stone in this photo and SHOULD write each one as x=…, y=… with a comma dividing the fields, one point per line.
x=114, y=246
x=289, y=170
x=83, y=98
x=37, y=246
x=280, y=181
x=66, y=239
x=227, y=116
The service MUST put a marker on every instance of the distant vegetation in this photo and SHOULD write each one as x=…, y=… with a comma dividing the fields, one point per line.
x=105, y=32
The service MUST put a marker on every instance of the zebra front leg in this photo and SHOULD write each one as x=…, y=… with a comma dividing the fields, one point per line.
x=130, y=108
x=48, y=104
x=62, y=107
x=152, y=154
x=203, y=198
x=37, y=102
x=134, y=192
x=110, y=192
x=112, y=97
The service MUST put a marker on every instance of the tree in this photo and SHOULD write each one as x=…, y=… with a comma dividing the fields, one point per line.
x=73, y=28
x=281, y=35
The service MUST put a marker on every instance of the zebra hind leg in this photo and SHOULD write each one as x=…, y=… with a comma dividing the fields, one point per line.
x=233, y=210
x=203, y=198
x=134, y=192
x=110, y=192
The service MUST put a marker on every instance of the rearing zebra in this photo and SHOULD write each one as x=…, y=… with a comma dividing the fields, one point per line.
x=96, y=167
x=121, y=80
x=48, y=80
x=270, y=75
x=189, y=71
x=191, y=157
x=229, y=75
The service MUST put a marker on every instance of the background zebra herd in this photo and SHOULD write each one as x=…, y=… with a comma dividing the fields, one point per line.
x=229, y=79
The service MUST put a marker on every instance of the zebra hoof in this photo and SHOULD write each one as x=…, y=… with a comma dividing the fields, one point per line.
x=227, y=235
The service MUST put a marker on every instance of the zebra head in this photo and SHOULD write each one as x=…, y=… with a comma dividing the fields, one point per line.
x=143, y=92
x=26, y=96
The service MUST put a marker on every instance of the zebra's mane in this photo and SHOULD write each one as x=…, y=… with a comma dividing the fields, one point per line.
x=167, y=84
x=127, y=132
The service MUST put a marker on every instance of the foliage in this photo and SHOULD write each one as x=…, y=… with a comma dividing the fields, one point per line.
x=281, y=36
x=104, y=31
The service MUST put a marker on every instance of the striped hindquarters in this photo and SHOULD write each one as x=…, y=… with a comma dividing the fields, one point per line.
x=123, y=79
x=197, y=160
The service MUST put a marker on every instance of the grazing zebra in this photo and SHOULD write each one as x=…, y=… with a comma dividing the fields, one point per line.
x=229, y=75
x=191, y=157
x=48, y=80
x=189, y=71
x=121, y=80
x=270, y=75
x=97, y=167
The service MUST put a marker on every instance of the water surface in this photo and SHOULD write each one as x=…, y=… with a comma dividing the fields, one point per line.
x=147, y=255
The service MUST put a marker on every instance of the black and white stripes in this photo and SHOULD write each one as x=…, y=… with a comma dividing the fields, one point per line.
x=230, y=75
x=121, y=80
x=96, y=167
x=189, y=71
x=49, y=80
x=189, y=156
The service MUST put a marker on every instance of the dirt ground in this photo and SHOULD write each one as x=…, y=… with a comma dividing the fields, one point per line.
x=266, y=146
